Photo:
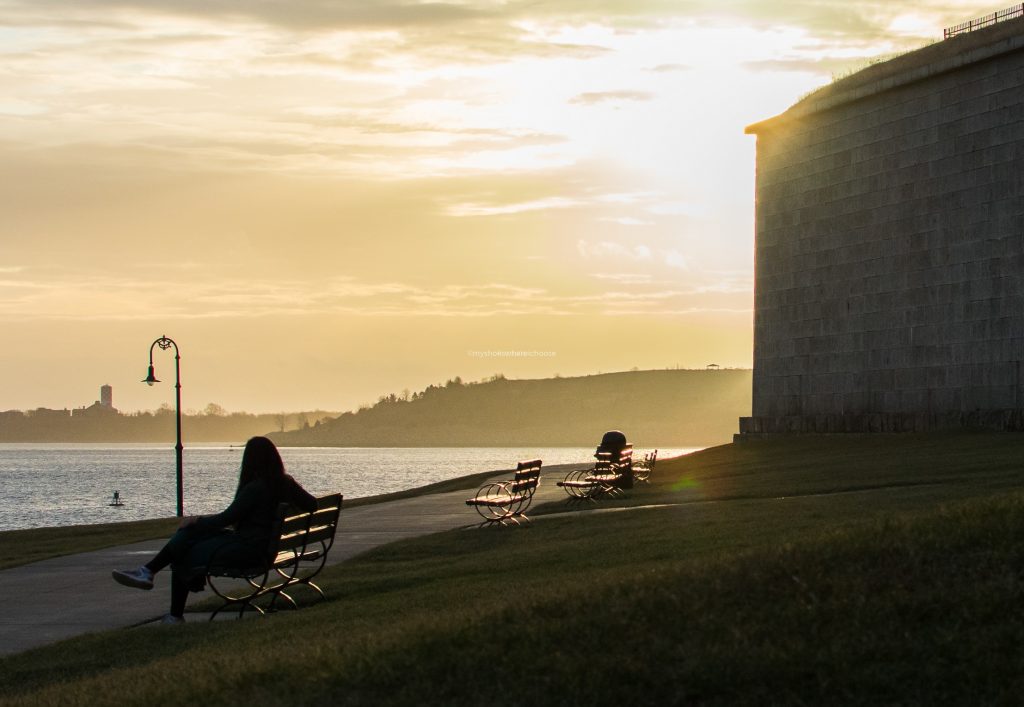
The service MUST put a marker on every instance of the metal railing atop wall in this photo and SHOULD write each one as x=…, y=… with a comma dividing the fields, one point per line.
x=971, y=25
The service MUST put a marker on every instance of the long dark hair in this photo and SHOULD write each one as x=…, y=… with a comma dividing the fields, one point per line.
x=261, y=461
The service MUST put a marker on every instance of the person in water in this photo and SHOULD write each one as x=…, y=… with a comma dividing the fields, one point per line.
x=239, y=535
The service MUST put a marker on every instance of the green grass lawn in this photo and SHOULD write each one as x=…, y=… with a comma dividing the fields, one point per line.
x=874, y=570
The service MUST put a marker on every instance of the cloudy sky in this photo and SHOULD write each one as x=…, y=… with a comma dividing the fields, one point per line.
x=324, y=201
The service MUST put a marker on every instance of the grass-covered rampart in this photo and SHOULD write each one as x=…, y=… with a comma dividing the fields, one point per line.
x=818, y=571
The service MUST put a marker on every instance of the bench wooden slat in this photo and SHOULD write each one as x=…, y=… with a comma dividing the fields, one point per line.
x=319, y=534
x=496, y=501
x=299, y=522
x=314, y=535
x=288, y=557
x=575, y=483
x=520, y=487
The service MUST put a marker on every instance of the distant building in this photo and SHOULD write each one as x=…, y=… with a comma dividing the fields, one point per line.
x=103, y=406
x=889, y=265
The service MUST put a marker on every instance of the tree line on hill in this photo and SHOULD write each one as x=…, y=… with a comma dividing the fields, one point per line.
x=213, y=424
x=653, y=408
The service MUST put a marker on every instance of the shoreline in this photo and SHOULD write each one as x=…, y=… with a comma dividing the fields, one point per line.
x=62, y=486
x=22, y=546
x=169, y=444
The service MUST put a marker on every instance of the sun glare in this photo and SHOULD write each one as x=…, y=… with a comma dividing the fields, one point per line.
x=405, y=153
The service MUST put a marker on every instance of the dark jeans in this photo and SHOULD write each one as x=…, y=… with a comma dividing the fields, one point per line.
x=190, y=551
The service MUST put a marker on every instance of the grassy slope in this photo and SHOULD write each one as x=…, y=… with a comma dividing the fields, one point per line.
x=845, y=570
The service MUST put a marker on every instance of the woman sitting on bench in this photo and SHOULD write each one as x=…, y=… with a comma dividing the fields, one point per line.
x=239, y=535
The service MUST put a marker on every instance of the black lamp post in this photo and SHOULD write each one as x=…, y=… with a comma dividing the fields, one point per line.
x=164, y=343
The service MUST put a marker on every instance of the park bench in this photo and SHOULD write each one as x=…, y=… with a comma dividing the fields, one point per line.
x=643, y=469
x=611, y=473
x=298, y=549
x=505, y=502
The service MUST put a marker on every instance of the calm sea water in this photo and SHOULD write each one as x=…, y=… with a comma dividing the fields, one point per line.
x=71, y=484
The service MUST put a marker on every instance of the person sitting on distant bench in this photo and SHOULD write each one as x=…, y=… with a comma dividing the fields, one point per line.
x=239, y=535
x=612, y=444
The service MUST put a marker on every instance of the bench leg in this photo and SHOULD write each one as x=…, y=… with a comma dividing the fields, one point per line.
x=315, y=588
x=502, y=521
x=243, y=601
x=279, y=592
x=244, y=604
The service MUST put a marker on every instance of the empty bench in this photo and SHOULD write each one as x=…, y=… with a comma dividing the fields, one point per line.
x=643, y=469
x=298, y=549
x=611, y=473
x=505, y=502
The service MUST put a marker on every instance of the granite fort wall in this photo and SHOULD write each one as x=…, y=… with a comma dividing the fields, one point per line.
x=889, y=265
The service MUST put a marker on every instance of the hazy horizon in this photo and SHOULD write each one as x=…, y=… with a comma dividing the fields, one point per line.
x=203, y=408
x=326, y=202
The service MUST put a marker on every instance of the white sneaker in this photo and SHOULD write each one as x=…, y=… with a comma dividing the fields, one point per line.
x=141, y=578
x=172, y=619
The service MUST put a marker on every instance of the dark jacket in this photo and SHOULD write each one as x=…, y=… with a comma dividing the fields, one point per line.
x=254, y=509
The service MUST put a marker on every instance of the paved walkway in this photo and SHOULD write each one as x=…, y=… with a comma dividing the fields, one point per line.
x=68, y=596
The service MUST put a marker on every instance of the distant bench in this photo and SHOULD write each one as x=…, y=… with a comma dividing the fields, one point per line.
x=643, y=469
x=505, y=502
x=299, y=550
x=611, y=473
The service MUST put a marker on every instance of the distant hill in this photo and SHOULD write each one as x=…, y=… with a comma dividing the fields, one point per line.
x=653, y=408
